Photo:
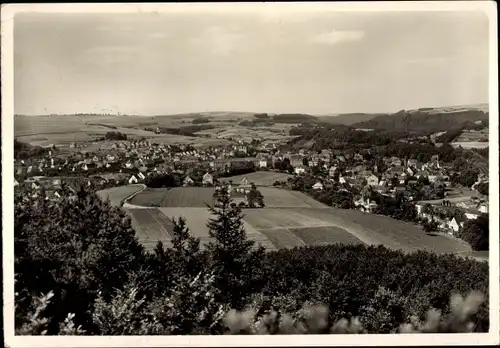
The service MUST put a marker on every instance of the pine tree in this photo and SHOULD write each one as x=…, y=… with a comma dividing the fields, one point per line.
x=232, y=255
x=187, y=255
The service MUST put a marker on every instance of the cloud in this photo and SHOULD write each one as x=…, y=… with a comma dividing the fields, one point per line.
x=218, y=40
x=110, y=54
x=338, y=36
x=429, y=60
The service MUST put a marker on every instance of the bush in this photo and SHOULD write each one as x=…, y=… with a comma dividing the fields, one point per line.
x=84, y=254
x=115, y=136
x=476, y=233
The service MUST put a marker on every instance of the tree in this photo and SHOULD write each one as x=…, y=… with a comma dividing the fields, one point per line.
x=232, y=256
x=483, y=188
x=77, y=247
x=254, y=197
x=430, y=226
x=476, y=233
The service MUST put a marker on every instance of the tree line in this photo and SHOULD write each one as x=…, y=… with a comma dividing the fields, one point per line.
x=79, y=268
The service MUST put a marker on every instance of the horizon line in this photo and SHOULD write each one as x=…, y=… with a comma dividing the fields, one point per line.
x=331, y=114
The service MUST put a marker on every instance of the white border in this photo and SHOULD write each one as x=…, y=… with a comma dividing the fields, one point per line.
x=8, y=11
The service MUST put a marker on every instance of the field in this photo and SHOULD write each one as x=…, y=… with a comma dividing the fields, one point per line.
x=287, y=221
x=263, y=178
x=64, y=130
x=193, y=197
x=116, y=195
x=471, y=144
x=198, y=197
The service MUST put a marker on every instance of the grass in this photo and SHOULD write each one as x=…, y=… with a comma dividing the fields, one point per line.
x=116, y=195
x=150, y=227
x=150, y=197
x=282, y=238
x=325, y=235
x=294, y=222
x=375, y=229
x=263, y=178
x=197, y=218
x=194, y=197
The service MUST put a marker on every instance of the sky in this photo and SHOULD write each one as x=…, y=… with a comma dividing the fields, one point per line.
x=275, y=62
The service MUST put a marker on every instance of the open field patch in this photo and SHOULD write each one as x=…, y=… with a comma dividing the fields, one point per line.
x=281, y=198
x=197, y=218
x=151, y=226
x=262, y=178
x=116, y=195
x=280, y=218
x=150, y=197
x=325, y=235
x=471, y=144
x=375, y=230
x=282, y=238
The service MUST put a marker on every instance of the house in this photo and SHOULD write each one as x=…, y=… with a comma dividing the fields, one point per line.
x=332, y=171
x=471, y=215
x=395, y=161
x=432, y=178
x=132, y=180
x=244, y=186
x=342, y=180
x=413, y=163
x=318, y=186
x=188, y=181
x=85, y=167
x=207, y=179
x=299, y=170
x=372, y=180
x=141, y=176
x=456, y=223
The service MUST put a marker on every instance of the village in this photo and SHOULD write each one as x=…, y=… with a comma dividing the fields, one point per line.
x=428, y=185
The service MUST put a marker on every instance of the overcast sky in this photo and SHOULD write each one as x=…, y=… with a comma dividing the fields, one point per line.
x=299, y=62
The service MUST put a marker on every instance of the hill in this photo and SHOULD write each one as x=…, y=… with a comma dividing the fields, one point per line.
x=294, y=118
x=348, y=119
x=425, y=120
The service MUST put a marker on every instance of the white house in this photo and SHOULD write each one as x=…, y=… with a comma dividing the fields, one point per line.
x=332, y=171
x=299, y=170
x=318, y=186
x=471, y=216
x=454, y=225
x=244, y=186
x=188, y=181
x=263, y=163
x=372, y=180
x=141, y=176
x=132, y=180
x=207, y=179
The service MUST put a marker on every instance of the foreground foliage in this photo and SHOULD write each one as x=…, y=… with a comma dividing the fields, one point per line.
x=100, y=281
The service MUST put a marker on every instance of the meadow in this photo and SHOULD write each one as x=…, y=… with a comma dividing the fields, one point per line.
x=287, y=221
x=262, y=178
x=117, y=195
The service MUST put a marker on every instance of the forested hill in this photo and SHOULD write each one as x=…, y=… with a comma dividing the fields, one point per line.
x=294, y=118
x=348, y=119
x=424, y=121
